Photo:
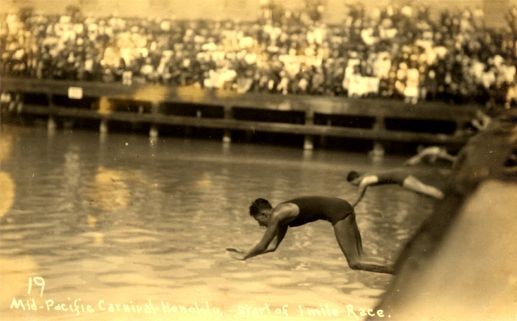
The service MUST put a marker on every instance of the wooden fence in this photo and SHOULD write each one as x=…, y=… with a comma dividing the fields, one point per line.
x=310, y=116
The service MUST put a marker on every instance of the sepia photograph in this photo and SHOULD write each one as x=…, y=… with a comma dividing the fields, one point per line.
x=277, y=160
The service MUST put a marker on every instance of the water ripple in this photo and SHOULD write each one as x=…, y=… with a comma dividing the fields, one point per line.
x=125, y=221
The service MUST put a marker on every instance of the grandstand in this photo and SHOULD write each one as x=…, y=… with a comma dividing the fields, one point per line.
x=394, y=52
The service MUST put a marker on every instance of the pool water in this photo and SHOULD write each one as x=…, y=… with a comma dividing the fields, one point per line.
x=121, y=227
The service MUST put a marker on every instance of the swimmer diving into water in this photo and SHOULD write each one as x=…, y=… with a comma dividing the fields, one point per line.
x=303, y=210
x=431, y=154
x=409, y=182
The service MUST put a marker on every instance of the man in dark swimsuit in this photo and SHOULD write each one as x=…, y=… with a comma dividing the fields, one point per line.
x=410, y=182
x=304, y=210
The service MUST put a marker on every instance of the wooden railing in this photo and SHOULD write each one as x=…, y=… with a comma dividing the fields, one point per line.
x=162, y=100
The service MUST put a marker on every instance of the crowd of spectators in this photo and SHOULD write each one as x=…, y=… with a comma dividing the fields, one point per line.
x=403, y=52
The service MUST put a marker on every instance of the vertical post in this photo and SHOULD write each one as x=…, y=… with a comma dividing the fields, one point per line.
x=103, y=127
x=460, y=128
x=2, y=99
x=1, y=111
x=378, y=148
x=51, y=122
x=323, y=138
x=309, y=121
x=153, y=131
x=227, y=136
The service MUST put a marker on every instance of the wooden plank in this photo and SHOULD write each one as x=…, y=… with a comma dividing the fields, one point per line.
x=221, y=123
x=190, y=95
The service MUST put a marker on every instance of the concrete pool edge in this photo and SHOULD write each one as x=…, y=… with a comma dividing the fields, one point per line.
x=479, y=173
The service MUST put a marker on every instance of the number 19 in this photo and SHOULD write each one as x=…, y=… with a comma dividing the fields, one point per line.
x=38, y=281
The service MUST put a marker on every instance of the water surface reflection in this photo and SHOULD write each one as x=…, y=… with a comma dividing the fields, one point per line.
x=120, y=220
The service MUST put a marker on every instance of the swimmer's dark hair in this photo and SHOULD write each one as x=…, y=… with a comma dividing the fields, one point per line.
x=352, y=175
x=258, y=205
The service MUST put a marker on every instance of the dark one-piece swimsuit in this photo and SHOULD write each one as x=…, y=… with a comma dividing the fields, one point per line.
x=313, y=208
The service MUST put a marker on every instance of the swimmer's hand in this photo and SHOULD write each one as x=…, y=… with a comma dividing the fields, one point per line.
x=236, y=253
x=232, y=249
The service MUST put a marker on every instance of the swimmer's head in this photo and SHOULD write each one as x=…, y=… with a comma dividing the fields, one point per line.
x=352, y=177
x=260, y=210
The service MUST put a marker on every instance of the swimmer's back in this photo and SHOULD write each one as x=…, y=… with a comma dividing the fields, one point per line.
x=314, y=208
x=391, y=177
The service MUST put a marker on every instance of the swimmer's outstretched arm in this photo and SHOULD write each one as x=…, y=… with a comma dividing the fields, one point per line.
x=273, y=230
x=428, y=152
x=370, y=180
x=415, y=159
x=433, y=153
x=282, y=230
x=359, y=198
x=448, y=157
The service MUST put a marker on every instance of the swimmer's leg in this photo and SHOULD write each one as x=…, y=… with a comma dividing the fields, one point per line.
x=413, y=184
x=414, y=160
x=428, y=154
x=446, y=156
x=349, y=240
